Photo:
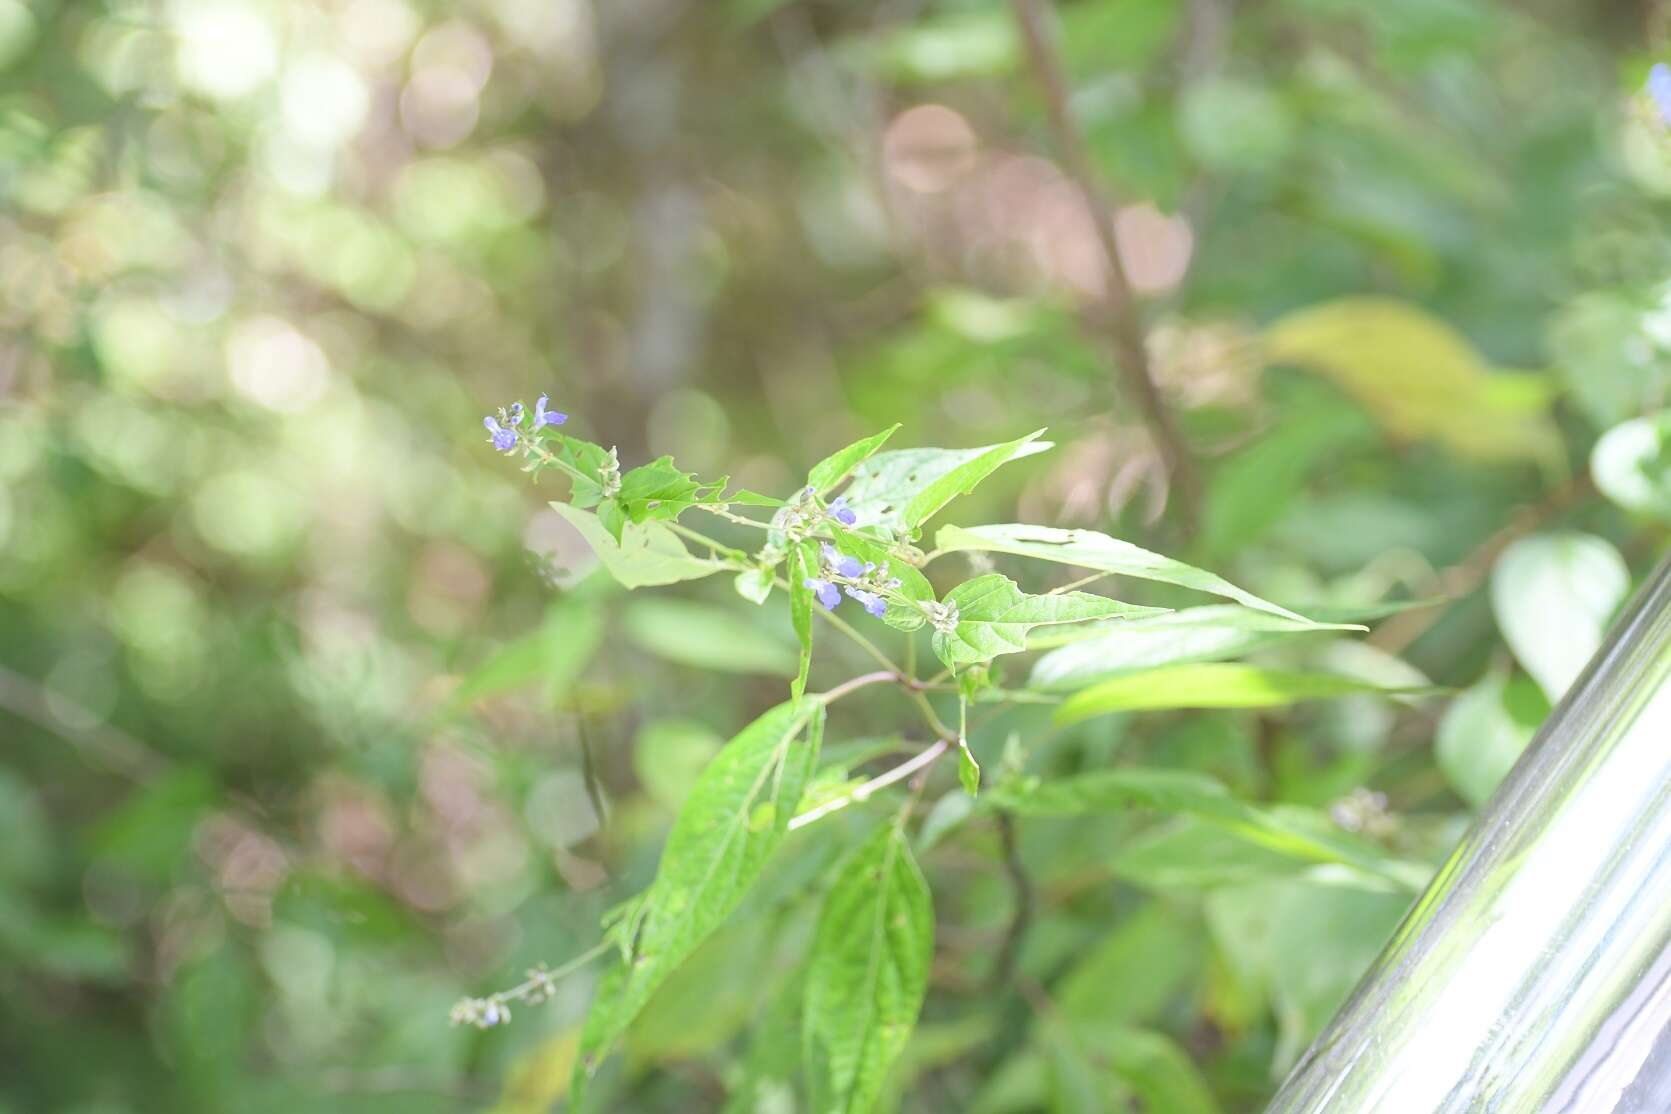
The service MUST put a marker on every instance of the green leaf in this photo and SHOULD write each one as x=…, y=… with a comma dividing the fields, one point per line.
x=1483, y=732
x=706, y=637
x=645, y=555
x=755, y=585
x=961, y=480
x=1192, y=854
x=830, y=471
x=1553, y=595
x=745, y=497
x=714, y=854
x=913, y=585
x=592, y=462
x=1215, y=685
x=1177, y=792
x=613, y=518
x=1632, y=465
x=968, y=770
x=867, y=973
x=803, y=560
x=1195, y=634
x=659, y=490
x=1091, y=550
x=1302, y=942
x=1159, y=1073
x=889, y=489
x=1151, y=954
x=554, y=655
x=1259, y=485
x=994, y=616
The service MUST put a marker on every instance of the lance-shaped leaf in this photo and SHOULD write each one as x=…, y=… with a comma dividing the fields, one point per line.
x=802, y=563
x=645, y=555
x=1217, y=685
x=1212, y=633
x=1290, y=832
x=994, y=616
x=735, y=816
x=839, y=464
x=868, y=972
x=899, y=490
x=1089, y=549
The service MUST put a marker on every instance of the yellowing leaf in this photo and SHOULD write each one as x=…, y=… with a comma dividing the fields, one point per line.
x=1420, y=378
x=538, y=1079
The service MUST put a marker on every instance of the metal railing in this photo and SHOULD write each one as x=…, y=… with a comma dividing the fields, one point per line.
x=1534, y=975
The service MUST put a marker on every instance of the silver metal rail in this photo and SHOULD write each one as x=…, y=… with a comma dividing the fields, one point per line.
x=1534, y=975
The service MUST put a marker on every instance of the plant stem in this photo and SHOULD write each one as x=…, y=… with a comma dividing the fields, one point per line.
x=859, y=682
x=736, y=557
x=517, y=992
x=862, y=793
x=1124, y=323
x=1003, y=968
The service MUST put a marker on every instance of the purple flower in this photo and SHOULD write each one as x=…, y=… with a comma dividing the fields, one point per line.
x=504, y=439
x=842, y=513
x=543, y=418
x=1659, y=89
x=824, y=590
x=841, y=563
x=516, y=413
x=872, y=602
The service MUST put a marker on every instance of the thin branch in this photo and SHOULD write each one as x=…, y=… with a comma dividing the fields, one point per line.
x=110, y=746
x=1003, y=968
x=1121, y=317
x=881, y=781
x=881, y=676
x=1464, y=577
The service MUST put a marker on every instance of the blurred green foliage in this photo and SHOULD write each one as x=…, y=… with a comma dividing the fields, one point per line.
x=315, y=719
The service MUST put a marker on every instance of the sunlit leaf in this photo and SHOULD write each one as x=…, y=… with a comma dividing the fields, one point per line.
x=1632, y=465
x=1195, y=634
x=1420, y=378
x=994, y=616
x=1483, y=732
x=868, y=972
x=1216, y=685
x=1553, y=595
x=646, y=555
x=836, y=467
x=892, y=489
x=1089, y=549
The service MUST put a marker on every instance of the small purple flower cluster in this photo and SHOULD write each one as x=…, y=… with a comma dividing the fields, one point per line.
x=848, y=568
x=505, y=431
x=1659, y=90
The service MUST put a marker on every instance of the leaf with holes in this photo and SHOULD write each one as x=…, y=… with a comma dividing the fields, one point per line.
x=898, y=490
x=994, y=616
x=868, y=972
